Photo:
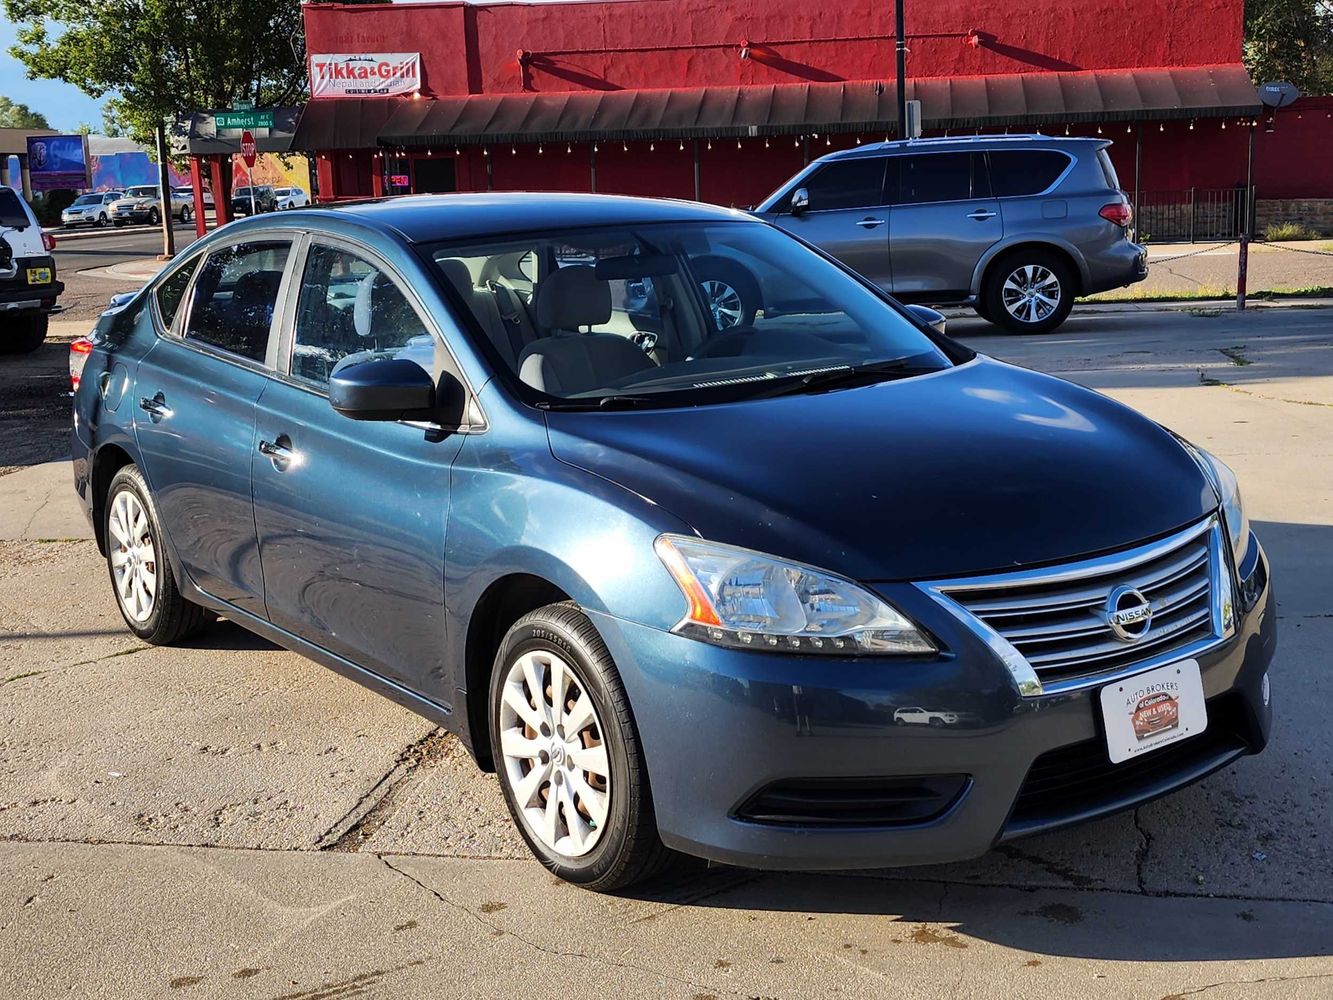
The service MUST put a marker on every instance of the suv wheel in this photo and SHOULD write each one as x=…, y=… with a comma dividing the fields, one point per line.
x=101, y=220
x=145, y=587
x=1029, y=291
x=568, y=755
x=185, y=213
x=730, y=291
x=25, y=336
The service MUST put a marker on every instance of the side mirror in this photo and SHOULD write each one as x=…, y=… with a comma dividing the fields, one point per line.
x=800, y=201
x=930, y=317
x=389, y=389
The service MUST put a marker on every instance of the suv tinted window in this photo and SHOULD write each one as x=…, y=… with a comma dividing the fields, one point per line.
x=234, y=298
x=937, y=177
x=172, y=291
x=11, y=210
x=847, y=184
x=351, y=311
x=1025, y=171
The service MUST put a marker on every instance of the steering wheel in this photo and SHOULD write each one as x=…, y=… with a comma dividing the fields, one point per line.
x=729, y=343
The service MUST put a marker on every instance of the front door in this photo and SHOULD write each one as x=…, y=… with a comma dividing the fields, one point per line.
x=943, y=220
x=195, y=412
x=351, y=514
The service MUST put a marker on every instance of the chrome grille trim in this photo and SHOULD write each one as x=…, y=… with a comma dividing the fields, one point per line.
x=1049, y=627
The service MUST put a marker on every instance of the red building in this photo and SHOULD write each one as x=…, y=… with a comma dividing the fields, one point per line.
x=723, y=100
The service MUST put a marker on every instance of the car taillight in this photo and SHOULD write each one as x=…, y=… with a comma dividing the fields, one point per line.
x=78, y=357
x=1118, y=212
x=48, y=241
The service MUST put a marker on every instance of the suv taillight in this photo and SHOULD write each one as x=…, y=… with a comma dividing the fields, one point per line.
x=1118, y=212
x=78, y=357
x=48, y=241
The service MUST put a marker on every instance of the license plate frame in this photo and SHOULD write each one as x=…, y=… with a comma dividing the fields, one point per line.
x=39, y=276
x=1153, y=709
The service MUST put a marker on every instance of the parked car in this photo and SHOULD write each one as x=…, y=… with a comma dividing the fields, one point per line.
x=290, y=197
x=916, y=716
x=144, y=204
x=673, y=582
x=1018, y=226
x=91, y=209
x=187, y=194
x=28, y=285
x=265, y=200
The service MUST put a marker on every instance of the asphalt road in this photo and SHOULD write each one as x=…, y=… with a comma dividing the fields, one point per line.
x=229, y=819
x=86, y=293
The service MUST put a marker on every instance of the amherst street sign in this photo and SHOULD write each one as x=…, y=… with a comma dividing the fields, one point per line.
x=243, y=119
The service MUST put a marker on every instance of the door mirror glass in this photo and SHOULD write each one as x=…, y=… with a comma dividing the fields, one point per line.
x=387, y=389
x=930, y=317
x=800, y=201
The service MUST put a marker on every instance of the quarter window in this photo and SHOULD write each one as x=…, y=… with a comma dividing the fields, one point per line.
x=234, y=299
x=936, y=177
x=350, y=311
x=171, y=292
x=1017, y=172
x=855, y=183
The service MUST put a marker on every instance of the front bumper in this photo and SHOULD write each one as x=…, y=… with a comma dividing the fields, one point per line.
x=719, y=726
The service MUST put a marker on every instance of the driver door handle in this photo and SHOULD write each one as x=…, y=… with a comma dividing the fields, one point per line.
x=870, y=222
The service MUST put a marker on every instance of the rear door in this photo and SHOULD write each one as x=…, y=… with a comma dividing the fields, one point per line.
x=194, y=414
x=351, y=513
x=944, y=218
x=848, y=216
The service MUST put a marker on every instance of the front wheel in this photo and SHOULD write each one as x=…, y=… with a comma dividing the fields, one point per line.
x=146, y=591
x=1029, y=291
x=186, y=214
x=568, y=754
x=154, y=217
x=101, y=221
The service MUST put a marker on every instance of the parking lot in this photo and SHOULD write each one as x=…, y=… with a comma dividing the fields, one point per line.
x=229, y=819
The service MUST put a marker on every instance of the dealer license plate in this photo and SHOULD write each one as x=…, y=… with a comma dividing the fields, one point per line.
x=39, y=276
x=1152, y=710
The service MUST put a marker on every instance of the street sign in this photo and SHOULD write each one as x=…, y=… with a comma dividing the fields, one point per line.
x=243, y=119
x=248, y=149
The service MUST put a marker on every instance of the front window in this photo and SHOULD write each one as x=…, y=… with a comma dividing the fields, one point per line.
x=141, y=192
x=235, y=296
x=241, y=193
x=677, y=314
x=87, y=199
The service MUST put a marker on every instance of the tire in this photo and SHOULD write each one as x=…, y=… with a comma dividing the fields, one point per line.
x=621, y=849
x=26, y=335
x=980, y=306
x=186, y=214
x=154, y=217
x=1013, y=275
x=730, y=291
x=153, y=608
x=101, y=221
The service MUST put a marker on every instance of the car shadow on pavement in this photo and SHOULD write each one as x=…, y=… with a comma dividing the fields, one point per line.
x=226, y=635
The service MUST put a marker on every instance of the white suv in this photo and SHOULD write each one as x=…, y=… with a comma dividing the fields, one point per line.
x=291, y=197
x=28, y=285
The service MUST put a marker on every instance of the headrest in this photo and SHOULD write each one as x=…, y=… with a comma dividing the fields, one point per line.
x=362, y=318
x=458, y=275
x=572, y=297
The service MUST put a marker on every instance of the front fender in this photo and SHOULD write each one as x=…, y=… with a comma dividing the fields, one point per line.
x=1009, y=242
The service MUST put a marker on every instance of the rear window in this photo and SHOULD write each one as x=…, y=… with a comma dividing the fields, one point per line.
x=847, y=184
x=1016, y=172
x=1108, y=169
x=12, y=214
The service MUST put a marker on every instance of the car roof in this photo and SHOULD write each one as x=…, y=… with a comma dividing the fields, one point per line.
x=945, y=144
x=427, y=218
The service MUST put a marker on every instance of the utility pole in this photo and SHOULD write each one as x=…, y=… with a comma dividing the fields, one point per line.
x=164, y=184
x=901, y=51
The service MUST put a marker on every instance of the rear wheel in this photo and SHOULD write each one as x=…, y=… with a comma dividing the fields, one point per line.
x=1029, y=291
x=186, y=214
x=568, y=754
x=141, y=577
x=730, y=291
x=26, y=334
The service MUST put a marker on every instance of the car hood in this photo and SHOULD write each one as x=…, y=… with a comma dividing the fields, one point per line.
x=132, y=202
x=977, y=468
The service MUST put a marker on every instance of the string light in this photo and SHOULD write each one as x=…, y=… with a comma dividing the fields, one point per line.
x=652, y=147
x=738, y=144
x=1129, y=129
x=710, y=143
x=1224, y=124
x=797, y=142
x=569, y=148
x=1161, y=126
x=1191, y=124
x=765, y=143
x=1066, y=130
x=828, y=141
x=682, y=145
x=624, y=147
x=513, y=150
x=539, y=149
x=1099, y=130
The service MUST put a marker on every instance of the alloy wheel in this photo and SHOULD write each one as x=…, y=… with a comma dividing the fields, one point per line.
x=725, y=303
x=554, y=754
x=133, y=556
x=1031, y=293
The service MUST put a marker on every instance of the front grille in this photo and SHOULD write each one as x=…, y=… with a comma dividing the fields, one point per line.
x=1057, y=618
x=867, y=802
x=1078, y=782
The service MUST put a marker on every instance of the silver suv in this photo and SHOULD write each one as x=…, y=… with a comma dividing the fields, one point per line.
x=1017, y=226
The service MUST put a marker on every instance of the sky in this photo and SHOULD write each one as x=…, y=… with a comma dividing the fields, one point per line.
x=65, y=107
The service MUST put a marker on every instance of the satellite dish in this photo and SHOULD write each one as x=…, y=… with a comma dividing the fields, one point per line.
x=1278, y=94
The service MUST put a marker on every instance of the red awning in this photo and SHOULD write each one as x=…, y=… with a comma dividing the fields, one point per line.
x=1026, y=100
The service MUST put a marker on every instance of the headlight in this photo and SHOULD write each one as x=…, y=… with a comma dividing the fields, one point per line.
x=746, y=600
x=1228, y=491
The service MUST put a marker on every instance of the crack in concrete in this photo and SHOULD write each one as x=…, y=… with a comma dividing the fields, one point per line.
x=1248, y=982
x=1141, y=853
x=544, y=949
x=37, y=510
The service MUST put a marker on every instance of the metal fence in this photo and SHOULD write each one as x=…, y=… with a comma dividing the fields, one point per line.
x=1190, y=214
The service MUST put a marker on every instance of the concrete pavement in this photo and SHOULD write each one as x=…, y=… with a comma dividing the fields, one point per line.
x=232, y=820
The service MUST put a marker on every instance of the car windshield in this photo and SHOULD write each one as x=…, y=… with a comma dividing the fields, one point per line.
x=672, y=314
x=88, y=199
x=141, y=192
x=241, y=193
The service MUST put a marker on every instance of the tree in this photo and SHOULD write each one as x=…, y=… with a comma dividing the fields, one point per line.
x=15, y=115
x=164, y=58
x=1290, y=40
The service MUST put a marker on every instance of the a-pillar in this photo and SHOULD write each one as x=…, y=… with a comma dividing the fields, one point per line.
x=197, y=185
x=221, y=193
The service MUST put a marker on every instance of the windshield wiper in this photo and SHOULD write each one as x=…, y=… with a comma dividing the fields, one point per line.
x=844, y=378
x=596, y=403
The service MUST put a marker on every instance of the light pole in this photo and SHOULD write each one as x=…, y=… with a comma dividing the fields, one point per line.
x=901, y=52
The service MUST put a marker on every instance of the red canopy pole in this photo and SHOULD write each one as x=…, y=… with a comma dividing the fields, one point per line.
x=197, y=185
x=221, y=196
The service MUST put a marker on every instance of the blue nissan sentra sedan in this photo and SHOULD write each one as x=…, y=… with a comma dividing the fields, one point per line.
x=823, y=590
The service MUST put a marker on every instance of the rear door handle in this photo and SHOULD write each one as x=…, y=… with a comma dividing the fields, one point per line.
x=870, y=222
x=156, y=407
x=278, y=451
x=982, y=214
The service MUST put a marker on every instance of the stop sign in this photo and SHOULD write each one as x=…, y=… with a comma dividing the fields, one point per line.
x=248, y=148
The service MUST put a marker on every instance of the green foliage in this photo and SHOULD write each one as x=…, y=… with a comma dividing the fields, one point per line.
x=164, y=58
x=15, y=115
x=1289, y=231
x=1290, y=40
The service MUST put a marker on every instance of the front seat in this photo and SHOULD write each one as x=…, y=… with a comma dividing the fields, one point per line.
x=568, y=362
x=483, y=307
